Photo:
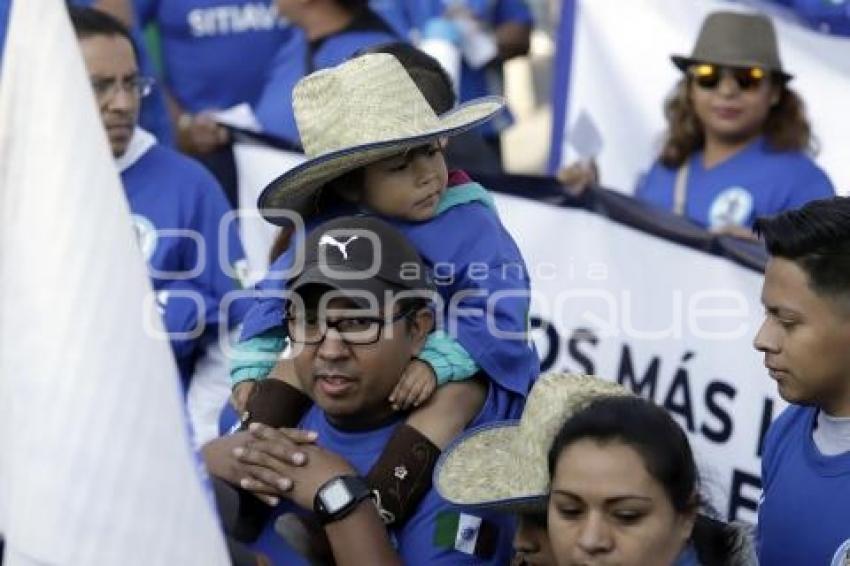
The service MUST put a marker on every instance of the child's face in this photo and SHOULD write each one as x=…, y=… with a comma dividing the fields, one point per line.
x=407, y=186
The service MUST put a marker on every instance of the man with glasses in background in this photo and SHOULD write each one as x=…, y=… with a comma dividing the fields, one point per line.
x=177, y=207
x=357, y=312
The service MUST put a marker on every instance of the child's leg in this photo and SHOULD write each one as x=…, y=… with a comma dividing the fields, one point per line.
x=277, y=401
x=402, y=474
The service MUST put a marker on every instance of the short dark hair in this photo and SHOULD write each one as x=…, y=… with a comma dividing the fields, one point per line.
x=429, y=76
x=91, y=22
x=666, y=454
x=817, y=238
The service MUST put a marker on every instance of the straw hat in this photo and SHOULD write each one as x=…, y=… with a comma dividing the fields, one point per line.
x=505, y=465
x=735, y=39
x=359, y=112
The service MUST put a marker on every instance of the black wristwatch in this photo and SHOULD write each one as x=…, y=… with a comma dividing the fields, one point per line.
x=338, y=497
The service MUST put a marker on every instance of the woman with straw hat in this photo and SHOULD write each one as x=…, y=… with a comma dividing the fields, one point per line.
x=569, y=424
x=738, y=142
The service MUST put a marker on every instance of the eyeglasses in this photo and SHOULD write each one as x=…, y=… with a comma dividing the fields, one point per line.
x=106, y=89
x=708, y=76
x=354, y=331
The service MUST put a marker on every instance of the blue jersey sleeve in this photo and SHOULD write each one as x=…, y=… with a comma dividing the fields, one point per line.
x=811, y=184
x=267, y=306
x=223, y=263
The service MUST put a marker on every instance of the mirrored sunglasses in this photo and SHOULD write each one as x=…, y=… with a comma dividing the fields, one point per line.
x=708, y=76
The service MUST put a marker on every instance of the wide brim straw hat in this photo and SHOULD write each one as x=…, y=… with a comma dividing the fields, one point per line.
x=504, y=465
x=359, y=112
x=735, y=39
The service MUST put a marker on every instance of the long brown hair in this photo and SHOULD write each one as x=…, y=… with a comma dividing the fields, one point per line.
x=785, y=129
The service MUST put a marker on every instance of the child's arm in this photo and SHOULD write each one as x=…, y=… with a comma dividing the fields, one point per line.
x=277, y=401
x=441, y=360
x=253, y=360
x=402, y=475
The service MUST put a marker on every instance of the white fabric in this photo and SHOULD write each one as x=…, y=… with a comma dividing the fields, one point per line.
x=257, y=166
x=139, y=145
x=95, y=459
x=209, y=390
x=621, y=74
x=832, y=434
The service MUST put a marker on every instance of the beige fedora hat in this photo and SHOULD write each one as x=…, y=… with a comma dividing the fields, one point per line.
x=735, y=39
x=364, y=110
x=504, y=465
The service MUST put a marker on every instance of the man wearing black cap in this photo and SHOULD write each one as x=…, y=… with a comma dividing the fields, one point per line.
x=356, y=315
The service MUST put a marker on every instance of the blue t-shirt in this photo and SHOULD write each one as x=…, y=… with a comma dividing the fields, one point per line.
x=754, y=182
x=467, y=250
x=300, y=57
x=167, y=191
x=804, y=514
x=422, y=540
x=487, y=80
x=215, y=52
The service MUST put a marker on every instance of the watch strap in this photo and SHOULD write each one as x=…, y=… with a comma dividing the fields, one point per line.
x=357, y=488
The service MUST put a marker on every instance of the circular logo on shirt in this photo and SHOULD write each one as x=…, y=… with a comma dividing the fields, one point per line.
x=842, y=555
x=145, y=235
x=733, y=206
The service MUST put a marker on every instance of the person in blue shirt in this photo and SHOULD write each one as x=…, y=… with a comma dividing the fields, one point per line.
x=215, y=55
x=350, y=361
x=804, y=512
x=327, y=33
x=489, y=32
x=177, y=208
x=360, y=138
x=738, y=140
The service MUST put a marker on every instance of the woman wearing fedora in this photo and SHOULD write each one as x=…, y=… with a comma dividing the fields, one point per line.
x=738, y=143
x=594, y=475
x=738, y=139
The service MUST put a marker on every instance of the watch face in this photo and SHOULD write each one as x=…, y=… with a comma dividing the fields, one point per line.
x=335, y=496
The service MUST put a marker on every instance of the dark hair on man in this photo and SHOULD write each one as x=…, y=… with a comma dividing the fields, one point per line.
x=429, y=76
x=817, y=238
x=666, y=453
x=91, y=22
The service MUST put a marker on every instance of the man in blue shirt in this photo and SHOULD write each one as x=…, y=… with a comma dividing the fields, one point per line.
x=177, y=209
x=349, y=362
x=804, y=514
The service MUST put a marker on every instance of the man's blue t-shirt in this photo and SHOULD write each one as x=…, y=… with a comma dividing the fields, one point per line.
x=754, y=182
x=804, y=514
x=299, y=57
x=423, y=539
x=168, y=192
x=216, y=53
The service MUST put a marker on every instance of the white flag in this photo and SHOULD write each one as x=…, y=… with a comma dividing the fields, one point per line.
x=95, y=459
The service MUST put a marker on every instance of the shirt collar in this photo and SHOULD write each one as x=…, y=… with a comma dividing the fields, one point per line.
x=140, y=143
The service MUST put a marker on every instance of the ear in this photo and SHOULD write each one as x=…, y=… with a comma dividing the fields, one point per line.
x=420, y=326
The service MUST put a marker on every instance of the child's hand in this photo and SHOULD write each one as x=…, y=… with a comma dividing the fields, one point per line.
x=416, y=385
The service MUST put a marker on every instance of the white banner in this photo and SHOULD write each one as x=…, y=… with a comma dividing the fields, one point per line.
x=672, y=323
x=621, y=74
x=96, y=466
